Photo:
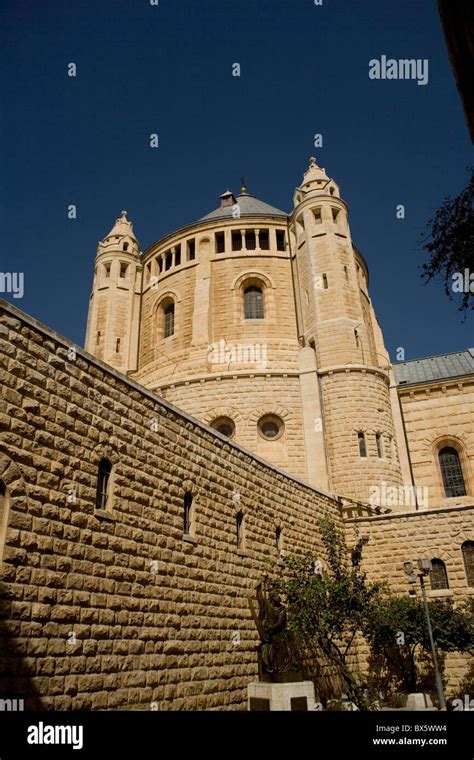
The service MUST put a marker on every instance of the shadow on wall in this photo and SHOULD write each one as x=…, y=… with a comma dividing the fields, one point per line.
x=16, y=676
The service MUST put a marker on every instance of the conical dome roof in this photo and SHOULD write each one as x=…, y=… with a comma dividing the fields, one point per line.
x=249, y=206
x=122, y=227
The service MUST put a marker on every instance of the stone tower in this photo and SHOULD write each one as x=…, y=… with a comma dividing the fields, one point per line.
x=114, y=307
x=259, y=323
x=336, y=321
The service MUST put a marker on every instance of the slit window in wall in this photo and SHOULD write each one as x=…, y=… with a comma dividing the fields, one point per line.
x=123, y=271
x=236, y=240
x=346, y=273
x=107, y=270
x=379, y=442
x=253, y=302
x=451, y=472
x=318, y=216
x=177, y=256
x=438, y=575
x=362, y=445
x=239, y=531
x=280, y=240
x=191, y=245
x=356, y=337
x=278, y=542
x=125, y=247
x=168, y=260
x=468, y=556
x=264, y=239
x=102, y=497
x=325, y=281
x=220, y=242
x=331, y=191
x=4, y=510
x=250, y=243
x=187, y=513
x=98, y=337
x=168, y=312
x=117, y=346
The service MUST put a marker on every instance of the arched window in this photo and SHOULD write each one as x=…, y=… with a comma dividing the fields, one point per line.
x=239, y=530
x=168, y=312
x=379, y=442
x=253, y=302
x=102, y=498
x=438, y=575
x=224, y=425
x=187, y=513
x=362, y=446
x=451, y=472
x=468, y=556
x=4, y=508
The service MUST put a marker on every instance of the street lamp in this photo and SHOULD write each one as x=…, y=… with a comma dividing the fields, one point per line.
x=424, y=567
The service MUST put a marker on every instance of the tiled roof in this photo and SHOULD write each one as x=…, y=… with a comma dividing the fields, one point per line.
x=249, y=206
x=435, y=368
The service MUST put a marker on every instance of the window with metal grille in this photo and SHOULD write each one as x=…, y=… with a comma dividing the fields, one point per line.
x=103, y=480
x=362, y=446
x=253, y=302
x=187, y=513
x=451, y=472
x=468, y=556
x=239, y=528
x=169, y=320
x=438, y=575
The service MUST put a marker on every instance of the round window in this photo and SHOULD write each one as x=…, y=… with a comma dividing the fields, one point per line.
x=224, y=425
x=270, y=427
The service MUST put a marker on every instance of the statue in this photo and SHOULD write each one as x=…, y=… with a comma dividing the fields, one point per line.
x=276, y=658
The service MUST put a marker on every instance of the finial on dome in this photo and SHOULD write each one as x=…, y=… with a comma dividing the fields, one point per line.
x=312, y=162
x=123, y=216
x=243, y=189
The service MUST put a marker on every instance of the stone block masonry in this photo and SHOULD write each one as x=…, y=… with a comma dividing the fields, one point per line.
x=118, y=608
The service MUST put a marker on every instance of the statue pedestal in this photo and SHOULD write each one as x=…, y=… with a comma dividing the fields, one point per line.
x=295, y=695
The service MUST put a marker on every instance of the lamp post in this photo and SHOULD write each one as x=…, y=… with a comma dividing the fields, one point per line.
x=424, y=567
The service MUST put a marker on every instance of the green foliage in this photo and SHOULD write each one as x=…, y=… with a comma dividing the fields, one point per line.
x=449, y=240
x=397, y=629
x=330, y=608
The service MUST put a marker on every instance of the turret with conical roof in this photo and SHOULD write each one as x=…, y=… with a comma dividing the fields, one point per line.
x=114, y=306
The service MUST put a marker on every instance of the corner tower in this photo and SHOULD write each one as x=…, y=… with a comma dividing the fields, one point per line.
x=337, y=323
x=114, y=306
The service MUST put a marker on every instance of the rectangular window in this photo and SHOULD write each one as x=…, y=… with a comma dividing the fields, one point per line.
x=280, y=238
x=362, y=446
x=107, y=270
x=250, y=240
x=220, y=242
x=98, y=338
x=123, y=270
x=160, y=264
x=318, y=217
x=117, y=346
x=325, y=282
x=191, y=250
x=335, y=214
x=236, y=240
x=177, y=256
x=168, y=260
x=187, y=514
x=264, y=239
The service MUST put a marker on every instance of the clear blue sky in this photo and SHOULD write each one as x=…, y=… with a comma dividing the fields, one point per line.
x=143, y=69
